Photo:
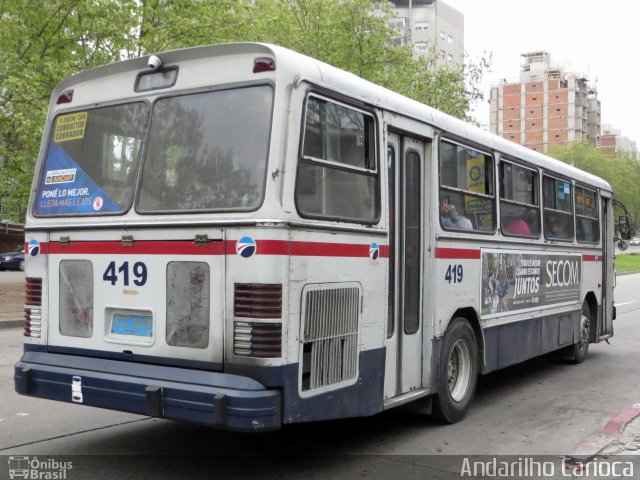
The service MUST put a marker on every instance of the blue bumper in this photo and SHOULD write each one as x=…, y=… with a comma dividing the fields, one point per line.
x=210, y=398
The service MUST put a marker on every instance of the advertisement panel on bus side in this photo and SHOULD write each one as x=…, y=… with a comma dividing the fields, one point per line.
x=514, y=280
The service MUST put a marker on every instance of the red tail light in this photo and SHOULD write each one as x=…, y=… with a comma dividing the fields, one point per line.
x=32, y=308
x=257, y=300
x=34, y=292
x=65, y=97
x=264, y=64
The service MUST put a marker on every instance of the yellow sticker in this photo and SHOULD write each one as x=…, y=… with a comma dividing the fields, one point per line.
x=70, y=127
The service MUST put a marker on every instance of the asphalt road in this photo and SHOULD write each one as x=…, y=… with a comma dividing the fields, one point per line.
x=543, y=407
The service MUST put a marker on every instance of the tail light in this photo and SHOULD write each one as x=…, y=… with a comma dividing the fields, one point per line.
x=264, y=64
x=257, y=300
x=261, y=340
x=65, y=97
x=33, y=308
x=260, y=301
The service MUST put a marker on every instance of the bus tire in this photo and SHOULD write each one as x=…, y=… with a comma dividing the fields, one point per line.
x=581, y=347
x=458, y=372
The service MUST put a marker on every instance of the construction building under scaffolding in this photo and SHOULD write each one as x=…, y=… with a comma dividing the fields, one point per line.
x=546, y=107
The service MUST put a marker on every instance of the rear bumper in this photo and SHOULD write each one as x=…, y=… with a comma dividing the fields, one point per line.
x=209, y=398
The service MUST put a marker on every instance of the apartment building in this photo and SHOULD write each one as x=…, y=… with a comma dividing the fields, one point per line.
x=430, y=25
x=612, y=142
x=546, y=107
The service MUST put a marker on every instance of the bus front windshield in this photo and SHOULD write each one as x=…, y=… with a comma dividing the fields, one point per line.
x=204, y=152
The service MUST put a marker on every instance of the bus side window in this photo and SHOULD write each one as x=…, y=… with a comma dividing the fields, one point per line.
x=558, y=209
x=467, y=198
x=519, y=205
x=337, y=175
x=587, y=219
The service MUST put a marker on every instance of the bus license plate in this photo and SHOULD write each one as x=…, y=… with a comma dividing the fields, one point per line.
x=132, y=324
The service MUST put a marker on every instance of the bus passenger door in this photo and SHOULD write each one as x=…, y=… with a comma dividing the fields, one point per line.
x=606, y=321
x=403, y=370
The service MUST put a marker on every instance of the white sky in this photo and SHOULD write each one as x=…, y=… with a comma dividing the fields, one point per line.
x=598, y=39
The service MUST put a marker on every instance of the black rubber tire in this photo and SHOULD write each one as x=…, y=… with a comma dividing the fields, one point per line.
x=581, y=348
x=456, y=382
x=21, y=266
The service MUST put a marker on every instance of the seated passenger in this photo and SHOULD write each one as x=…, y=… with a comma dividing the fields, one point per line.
x=450, y=218
x=525, y=226
x=556, y=228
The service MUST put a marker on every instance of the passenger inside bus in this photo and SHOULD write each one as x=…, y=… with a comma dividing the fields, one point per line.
x=557, y=227
x=451, y=218
x=526, y=225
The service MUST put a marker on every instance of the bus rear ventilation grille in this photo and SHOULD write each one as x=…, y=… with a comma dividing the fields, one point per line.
x=257, y=300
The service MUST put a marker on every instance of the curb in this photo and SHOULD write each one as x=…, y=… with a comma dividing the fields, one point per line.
x=614, y=427
x=6, y=324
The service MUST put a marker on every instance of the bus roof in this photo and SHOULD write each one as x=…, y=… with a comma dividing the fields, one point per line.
x=293, y=66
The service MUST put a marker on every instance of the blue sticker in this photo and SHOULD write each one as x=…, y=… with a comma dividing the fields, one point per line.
x=65, y=188
x=34, y=247
x=246, y=247
x=374, y=251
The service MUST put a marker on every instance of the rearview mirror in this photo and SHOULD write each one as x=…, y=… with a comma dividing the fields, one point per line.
x=622, y=245
x=624, y=226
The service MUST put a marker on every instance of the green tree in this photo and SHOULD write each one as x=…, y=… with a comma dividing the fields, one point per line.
x=41, y=42
x=44, y=41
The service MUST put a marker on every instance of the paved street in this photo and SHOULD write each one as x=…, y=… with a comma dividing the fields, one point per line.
x=543, y=407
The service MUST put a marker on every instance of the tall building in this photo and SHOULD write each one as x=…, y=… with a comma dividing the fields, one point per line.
x=546, y=107
x=612, y=142
x=430, y=25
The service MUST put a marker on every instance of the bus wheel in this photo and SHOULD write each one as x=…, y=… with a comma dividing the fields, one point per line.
x=458, y=372
x=581, y=347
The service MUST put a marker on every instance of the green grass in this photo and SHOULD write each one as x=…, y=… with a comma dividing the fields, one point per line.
x=627, y=262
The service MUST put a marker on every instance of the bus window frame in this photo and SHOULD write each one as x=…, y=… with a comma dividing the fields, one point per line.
x=196, y=91
x=375, y=172
x=493, y=197
x=48, y=133
x=557, y=177
x=597, y=210
x=520, y=164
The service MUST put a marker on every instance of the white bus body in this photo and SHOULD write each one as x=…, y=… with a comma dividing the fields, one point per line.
x=246, y=237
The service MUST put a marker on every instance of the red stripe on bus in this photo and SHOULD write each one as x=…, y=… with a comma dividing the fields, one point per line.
x=163, y=247
x=592, y=258
x=457, y=253
x=312, y=249
x=139, y=247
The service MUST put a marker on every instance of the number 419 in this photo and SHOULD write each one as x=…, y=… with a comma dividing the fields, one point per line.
x=454, y=274
x=139, y=272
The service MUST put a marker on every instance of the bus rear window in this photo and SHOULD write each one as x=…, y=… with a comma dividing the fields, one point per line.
x=207, y=151
x=91, y=162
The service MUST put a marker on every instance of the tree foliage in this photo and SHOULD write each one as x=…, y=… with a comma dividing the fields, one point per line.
x=622, y=171
x=44, y=41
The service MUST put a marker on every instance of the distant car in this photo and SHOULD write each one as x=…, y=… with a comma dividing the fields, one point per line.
x=12, y=261
x=635, y=242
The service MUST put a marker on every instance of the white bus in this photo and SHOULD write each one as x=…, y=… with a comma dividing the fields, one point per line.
x=244, y=237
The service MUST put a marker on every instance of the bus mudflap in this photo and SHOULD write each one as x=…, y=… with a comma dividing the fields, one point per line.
x=209, y=398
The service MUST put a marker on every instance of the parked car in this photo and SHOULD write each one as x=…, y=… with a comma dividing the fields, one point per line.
x=12, y=261
x=635, y=242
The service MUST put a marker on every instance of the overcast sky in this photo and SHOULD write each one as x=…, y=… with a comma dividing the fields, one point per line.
x=598, y=39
